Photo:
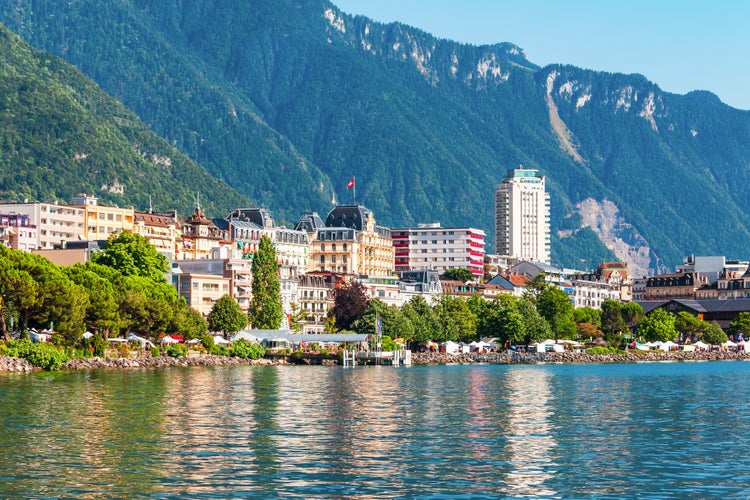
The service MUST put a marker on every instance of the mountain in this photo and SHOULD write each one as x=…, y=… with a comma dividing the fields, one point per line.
x=287, y=100
x=62, y=135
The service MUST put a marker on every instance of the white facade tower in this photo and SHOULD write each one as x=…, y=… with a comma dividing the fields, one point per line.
x=522, y=216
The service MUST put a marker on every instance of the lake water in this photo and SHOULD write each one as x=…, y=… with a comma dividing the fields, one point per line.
x=657, y=430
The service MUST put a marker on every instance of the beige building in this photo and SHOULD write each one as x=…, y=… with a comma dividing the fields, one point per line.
x=101, y=222
x=522, y=216
x=163, y=231
x=292, y=246
x=315, y=296
x=200, y=236
x=349, y=243
x=201, y=291
x=54, y=223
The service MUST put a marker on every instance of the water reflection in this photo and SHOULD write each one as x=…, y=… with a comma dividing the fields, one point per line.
x=531, y=439
x=376, y=432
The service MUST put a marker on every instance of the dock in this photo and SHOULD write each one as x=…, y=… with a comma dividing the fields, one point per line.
x=385, y=358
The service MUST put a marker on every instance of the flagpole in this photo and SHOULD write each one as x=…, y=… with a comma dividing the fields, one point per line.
x=354, y=190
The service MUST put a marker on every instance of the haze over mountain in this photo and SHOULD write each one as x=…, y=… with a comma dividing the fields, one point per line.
x=287, y=100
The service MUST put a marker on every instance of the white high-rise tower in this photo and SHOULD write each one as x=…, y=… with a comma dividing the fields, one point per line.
x=522, y=216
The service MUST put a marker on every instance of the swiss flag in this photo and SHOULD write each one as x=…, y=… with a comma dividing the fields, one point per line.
x=350, y=184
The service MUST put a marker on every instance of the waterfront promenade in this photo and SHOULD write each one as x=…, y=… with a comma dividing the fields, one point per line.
x=10, y=364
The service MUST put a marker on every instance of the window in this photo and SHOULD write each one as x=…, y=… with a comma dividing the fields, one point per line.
x=322, y=247
x=344, y=250
x=322, y=260
x=333, y=248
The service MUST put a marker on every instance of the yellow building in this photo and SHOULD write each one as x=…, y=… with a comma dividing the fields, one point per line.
x=99, y=221
x=349, y=243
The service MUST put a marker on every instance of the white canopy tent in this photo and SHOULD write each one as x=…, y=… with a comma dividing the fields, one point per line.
x=144, y=342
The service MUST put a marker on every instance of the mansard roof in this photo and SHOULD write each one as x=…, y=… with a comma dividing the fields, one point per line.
x=259, y=216
x=309, y=222
x=349, y=216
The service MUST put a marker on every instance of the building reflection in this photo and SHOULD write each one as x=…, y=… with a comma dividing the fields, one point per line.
x=530, y=442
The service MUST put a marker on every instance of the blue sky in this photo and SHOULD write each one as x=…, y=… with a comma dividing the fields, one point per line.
x=679, y=45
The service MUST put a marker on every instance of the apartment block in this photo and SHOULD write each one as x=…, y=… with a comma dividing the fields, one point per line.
x=430, y=246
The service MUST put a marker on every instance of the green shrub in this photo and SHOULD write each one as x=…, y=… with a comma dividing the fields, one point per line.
x=42, y=355
x=207, y=341
x=176, y=350
x=247, y=350
x=219, y=350
x=155, y=352
x=603, y=351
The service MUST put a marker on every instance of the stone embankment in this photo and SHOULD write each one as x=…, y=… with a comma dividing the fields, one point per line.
x=10, y=364
x=436, y=358
x=163, y=361
x=645, y=356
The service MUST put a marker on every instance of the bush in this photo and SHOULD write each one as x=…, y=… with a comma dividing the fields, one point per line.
x=155, y=352
x=123, y=349
x=176, y=350
x=42, y=355
x=219, y=350
x=99, y=344
x=247, y=350
x=603, y=351
x=207, y=341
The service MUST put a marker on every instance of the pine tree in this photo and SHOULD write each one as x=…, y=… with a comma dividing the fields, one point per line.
x=265, y=309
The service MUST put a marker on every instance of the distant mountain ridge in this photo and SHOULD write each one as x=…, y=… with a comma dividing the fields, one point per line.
x=287, y=100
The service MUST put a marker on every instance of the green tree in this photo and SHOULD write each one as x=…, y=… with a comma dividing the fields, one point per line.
x=349, y=304
x=536, y=328
x=459, y=274
x=612, y=322
x=688, y=325
x=658, y=325
x=455, y=319
x=632, y=314
x=102, y=313
x=422, y=319
x=297, y=317
x=714, y=335
x=740, y=325
x=554, y=305
x=394, y=321
x=265, y=311
x=226, y=316
x=588, y=315
x=189, y=322
x=132, y=255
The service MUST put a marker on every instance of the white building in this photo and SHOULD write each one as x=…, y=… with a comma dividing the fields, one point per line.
x=522, y=216
x=429, y=246
x=590, y=293
x=54, y=223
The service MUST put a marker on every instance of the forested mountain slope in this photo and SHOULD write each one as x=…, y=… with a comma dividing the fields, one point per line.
x=62, y=135
x=287, y=100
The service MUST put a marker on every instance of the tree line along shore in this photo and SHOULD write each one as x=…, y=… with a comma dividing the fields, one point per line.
x=122, y=291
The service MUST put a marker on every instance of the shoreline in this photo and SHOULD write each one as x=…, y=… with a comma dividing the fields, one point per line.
x=11, y=364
